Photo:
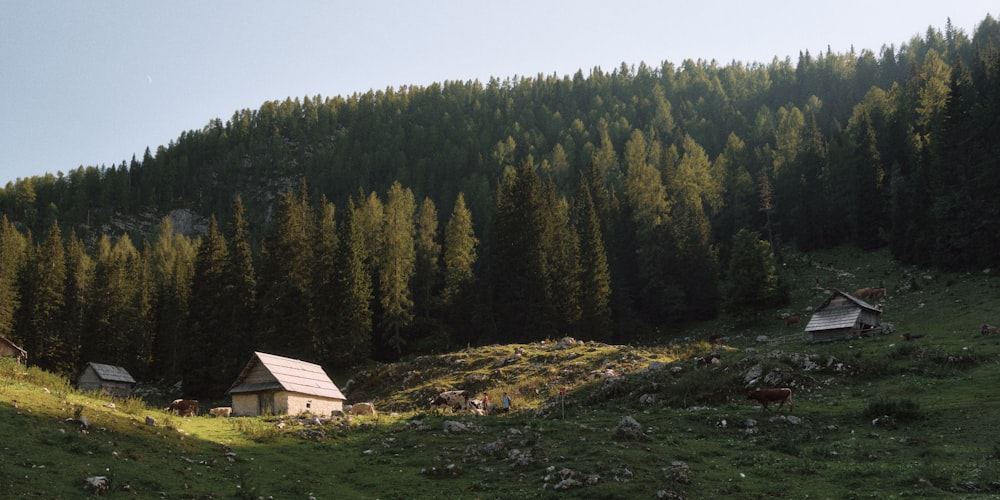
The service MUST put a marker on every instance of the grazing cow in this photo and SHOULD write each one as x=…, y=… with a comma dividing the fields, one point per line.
x=765, y=396
x=710, y=359
x=862, y=293
x=793, y=320
x=184, y=407
x=221, y=411
x=715, y=339
x=876, y=293
x=456, y=400
x=364, y=409
x=989, y=329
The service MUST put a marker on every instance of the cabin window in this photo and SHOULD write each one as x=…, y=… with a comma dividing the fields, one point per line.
x=308, y=404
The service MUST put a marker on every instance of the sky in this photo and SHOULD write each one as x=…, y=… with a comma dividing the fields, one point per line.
x=94, y=83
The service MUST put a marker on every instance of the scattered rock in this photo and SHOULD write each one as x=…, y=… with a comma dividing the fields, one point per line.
x=629, y=428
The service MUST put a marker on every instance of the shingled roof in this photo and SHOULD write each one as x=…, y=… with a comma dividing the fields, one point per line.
x=840, y=310
x=111, y=373
x=287, y=374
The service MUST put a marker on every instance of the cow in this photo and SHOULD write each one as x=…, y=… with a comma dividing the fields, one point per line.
x=765, y=396
x=456, y=400
x=709, y=359
x=793, y=320
x=221, y=411
x=910, y=337
x=989, y=329
x=715, y=339
x=363, y=409
x=184, y=407
x=862, y=293
x=876, y=293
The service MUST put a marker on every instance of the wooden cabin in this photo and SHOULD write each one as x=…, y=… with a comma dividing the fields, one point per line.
x=12, y=350
x=272, y=384
x=843, y=316
x=111, y=380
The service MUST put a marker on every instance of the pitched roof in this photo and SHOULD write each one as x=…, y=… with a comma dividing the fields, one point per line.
x=290, y=375
x=844, y=314
x=111, y=373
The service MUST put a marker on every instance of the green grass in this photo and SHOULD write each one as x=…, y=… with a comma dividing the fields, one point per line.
x=700, y=437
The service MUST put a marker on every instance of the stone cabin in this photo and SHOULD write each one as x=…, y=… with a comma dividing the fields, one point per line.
x=274, y=385
x=111, y=380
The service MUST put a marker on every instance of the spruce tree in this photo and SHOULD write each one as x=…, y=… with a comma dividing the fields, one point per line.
x=353, y=296
x=205, y=343
x=397, y=263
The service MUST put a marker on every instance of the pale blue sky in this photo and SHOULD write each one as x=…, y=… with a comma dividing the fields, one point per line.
x=92, y=83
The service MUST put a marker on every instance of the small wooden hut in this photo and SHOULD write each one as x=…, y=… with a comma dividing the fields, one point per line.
x=12, y=350
x=843, y=316
x=278, y=385
x=109, y=379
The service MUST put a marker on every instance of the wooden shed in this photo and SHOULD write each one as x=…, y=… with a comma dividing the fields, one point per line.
x=843, y=316
x=111, y=380
x=277, y=385
x=10, y=349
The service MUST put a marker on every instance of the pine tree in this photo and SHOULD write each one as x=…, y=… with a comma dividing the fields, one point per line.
x=46, y=317
x=286, y=293
x=353, y=295
x=522, y=294
x=595, y=277
x=427, y=274
x=173, y=271
x=205, y=343
x=79, y=286
x=459, y=259
x=396, y=267
x=754, y=284
x=241, y=296
x=13, y=254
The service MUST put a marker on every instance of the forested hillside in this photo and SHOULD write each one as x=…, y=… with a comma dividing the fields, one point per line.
x=416, y=219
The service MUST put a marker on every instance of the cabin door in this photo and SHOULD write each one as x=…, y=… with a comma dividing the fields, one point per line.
x=265, y=403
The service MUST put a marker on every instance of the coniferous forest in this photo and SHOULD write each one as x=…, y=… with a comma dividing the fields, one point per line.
x=419, y=219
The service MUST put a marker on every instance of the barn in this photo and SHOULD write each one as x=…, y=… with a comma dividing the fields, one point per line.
x=111, y=380
x=272, y=384
x=10, y=349
x=843, y=316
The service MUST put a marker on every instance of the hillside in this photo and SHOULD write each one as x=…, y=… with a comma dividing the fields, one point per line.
x=872, y=417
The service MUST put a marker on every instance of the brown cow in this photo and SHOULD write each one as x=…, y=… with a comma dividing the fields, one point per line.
x=876, y=293
x=793, y=320
x=909, y=337
x=862, y=293
x=456, y=400
x=765, y=396
x=989, y=329
x=184, y=407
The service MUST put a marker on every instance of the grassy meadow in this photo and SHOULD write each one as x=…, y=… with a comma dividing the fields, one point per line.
x=873, y=417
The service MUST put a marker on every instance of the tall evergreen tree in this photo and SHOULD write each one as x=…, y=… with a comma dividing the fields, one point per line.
x=754, y=283
x=286, y=282
x=173, y=271
x=205, y=344
x=522, y=304
x=396, y=267
x=458, y=262
x=427, y=274
x=595, y=277
x=13, y=255
x=241, y=296
x=44, y=319
x=353, y=295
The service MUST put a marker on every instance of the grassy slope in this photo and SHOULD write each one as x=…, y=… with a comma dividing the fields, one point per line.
x=938, y=442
